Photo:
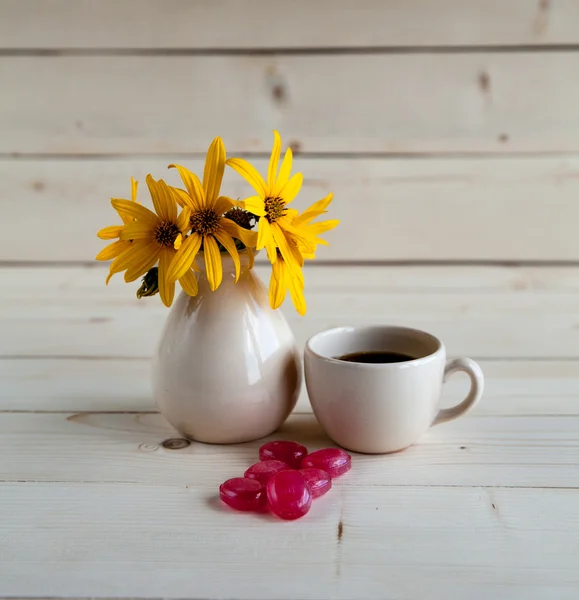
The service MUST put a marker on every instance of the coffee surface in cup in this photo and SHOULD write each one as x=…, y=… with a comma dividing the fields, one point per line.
x=376, y=357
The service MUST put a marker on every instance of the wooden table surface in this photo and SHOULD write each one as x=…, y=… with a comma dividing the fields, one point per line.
x=93, y=505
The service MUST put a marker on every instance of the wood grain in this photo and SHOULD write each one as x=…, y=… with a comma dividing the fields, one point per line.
x=250, y=24
x=157, y=541
x=516, y=451
x=381, y=103
x=485, y=312
x=390, y=209
x=74, y=384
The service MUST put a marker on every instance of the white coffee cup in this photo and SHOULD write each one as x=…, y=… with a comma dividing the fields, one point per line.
x=384, y=407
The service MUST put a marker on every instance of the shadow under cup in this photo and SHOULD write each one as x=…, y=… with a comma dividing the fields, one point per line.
x=374, y=407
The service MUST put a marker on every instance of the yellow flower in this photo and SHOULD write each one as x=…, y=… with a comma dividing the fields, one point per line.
x=114, y=232
x=276, y=229
x=310, y=230
x=283, y=279
x=287, y=236
x=207, y=223
x=153, y=237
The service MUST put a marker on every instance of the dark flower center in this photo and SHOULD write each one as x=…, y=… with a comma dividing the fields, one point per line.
x=240, y=216
x=274, y=209
x=205, y=221
x=166, y=233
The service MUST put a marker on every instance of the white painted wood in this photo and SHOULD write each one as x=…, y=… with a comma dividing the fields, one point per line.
x=159, y=542
x=276, y=24
x=76, y=385
x=390, y=209
x=490, y=312
x=387, y=103
x=515, y=451
x=94, y=385
x=150, y=541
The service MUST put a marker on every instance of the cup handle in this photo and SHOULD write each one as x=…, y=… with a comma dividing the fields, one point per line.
x=475, y=373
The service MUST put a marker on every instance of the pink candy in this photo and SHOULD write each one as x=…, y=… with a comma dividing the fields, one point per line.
x=263, y=471
x=334, y=461
x=319, y=481
x=291, y=453
x=289, y=495
x=242, y=493
x=287, y=478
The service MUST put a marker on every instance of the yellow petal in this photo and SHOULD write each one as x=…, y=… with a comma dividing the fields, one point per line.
x=168, y=201
x=251, y=257
x=287, y=248
x=125, y=217
x=128, y=257
x=255, y=205
x=308, y=216
x=274, y=160
x=134, y=189
x=277, y=284
x=291, y=188
x=213, y=266
x=315, y=210
x=297, y=294
x=111, y=273
x=264, y=236
x=116, y=266
x=158, y=205
x=300, y=234
x=193, y=185
x=166, y=288
x=214, y=168
x=284, y=172
x=178, y=242
x=271, y=250
x=249, y=173
x=223, y=204
x=142, y=262
x=249, y=238
x=183, y=198
x=189, y=283
x=137, y=231
x=323, y=203
x=183, y=220
x=322, y=226
x=183, y=259
x=228, y=243
x=113, y=250
x=110, y=233
x=135, y=210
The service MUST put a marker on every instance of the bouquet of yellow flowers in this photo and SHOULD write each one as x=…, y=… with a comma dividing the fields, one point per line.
x=162, y=245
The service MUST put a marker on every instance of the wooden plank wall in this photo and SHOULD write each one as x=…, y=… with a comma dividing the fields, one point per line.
x=448, y=130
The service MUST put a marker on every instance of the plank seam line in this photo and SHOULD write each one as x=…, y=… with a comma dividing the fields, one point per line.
x=323, y=263
x=70, y=357
x=291, y=51
x=299, y=413
x=465, y=155
x=338, y=486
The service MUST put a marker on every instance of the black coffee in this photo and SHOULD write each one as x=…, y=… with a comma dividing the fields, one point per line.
x=376, y=357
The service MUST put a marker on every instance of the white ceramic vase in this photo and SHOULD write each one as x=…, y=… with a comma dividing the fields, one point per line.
x=227, y=369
